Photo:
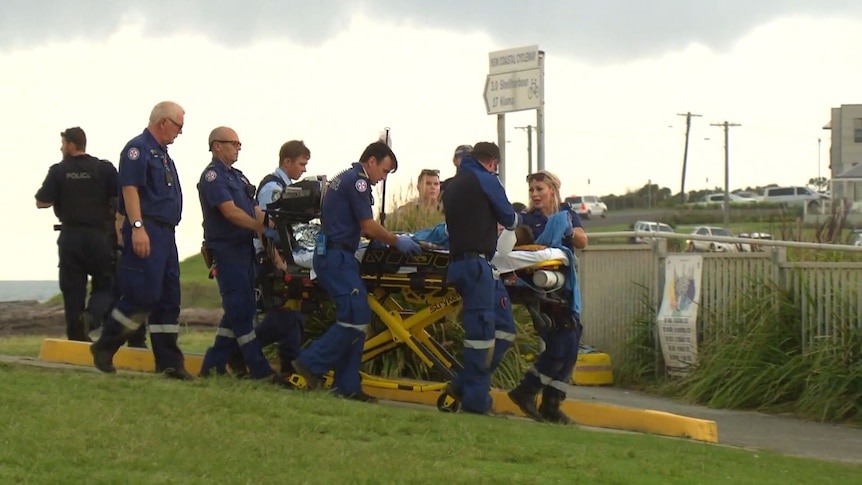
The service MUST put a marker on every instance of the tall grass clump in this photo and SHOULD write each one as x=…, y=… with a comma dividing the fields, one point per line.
x=641, y=364
x=763, y=360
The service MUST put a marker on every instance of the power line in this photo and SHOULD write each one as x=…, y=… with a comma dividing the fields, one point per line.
x=688, y=117
x=727, y=125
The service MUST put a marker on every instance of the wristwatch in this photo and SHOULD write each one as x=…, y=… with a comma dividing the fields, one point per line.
x=138, y=224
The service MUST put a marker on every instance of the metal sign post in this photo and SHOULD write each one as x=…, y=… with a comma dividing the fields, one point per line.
x=515, y=82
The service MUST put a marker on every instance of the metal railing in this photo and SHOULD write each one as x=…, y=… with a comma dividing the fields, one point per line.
x=623, y=282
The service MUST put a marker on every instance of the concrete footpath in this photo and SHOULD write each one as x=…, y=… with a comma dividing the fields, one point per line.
x=752, y=430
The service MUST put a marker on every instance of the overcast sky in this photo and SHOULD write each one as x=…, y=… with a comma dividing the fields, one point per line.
x=335, y=73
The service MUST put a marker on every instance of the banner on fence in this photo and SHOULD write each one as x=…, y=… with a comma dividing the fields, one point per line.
x=677, y=316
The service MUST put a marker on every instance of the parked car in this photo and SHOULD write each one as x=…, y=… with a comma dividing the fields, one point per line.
x=587, y=206
x=754, y=235
x=648, y=226
x=712, y=246
x=718, y=199
x=794, y=195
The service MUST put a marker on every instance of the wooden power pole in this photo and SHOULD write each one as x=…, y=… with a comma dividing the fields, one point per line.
x=727, y=127
x=685, y=152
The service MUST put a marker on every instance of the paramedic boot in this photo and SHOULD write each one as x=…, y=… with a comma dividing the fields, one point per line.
x=524, y=396
x=550, y=407
x=236, y=364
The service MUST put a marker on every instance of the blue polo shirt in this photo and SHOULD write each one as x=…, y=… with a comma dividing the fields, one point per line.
x=269, y=193
x=538, y=220
x=218, y=184
x=346, y=202
x=145, y=164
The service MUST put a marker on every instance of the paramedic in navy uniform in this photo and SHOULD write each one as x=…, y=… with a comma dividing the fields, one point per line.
x=151, y=200
x=345, y=216
x=474, y=203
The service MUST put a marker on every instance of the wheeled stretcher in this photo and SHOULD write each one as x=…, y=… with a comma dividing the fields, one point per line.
x=407, y=293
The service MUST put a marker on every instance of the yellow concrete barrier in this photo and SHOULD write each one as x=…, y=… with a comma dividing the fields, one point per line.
x=584, y=413
x=78, y=353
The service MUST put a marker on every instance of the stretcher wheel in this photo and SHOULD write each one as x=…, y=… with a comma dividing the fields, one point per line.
x=447, y=403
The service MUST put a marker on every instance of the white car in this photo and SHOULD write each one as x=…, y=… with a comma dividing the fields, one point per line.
x=747, y=248
x=649, y=226
x=587, y=206
x=718, y=199
x=711, y=246
x=794, y=195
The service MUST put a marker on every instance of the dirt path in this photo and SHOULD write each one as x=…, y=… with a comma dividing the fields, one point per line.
x=34, y=318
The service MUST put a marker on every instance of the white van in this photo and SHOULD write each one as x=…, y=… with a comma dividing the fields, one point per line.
x=793, y=195
x=650, y=226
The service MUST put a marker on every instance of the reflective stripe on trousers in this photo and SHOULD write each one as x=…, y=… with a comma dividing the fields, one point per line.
x=547, y=381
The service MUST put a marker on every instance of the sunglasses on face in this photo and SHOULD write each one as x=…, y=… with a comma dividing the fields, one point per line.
x=234, y=143
x=539, y=177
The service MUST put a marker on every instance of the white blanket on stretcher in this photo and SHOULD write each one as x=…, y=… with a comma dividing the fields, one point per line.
x=515, y=260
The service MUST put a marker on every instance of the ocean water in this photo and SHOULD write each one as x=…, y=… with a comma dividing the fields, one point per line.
x=28, y=290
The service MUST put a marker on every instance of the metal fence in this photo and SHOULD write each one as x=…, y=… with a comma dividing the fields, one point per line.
x=621, y=283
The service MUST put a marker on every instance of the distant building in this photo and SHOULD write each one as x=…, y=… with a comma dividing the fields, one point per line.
x=845, y=155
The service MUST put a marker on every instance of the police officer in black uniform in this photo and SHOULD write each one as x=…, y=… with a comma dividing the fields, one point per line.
x=82, y=190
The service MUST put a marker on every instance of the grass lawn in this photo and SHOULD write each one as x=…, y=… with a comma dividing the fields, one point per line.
x=191, y=341
x=73, y=427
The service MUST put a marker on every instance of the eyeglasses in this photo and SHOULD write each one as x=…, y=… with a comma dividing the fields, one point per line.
x=235, y=143
x=539, y=177
x=178, y=125
x=429, y=171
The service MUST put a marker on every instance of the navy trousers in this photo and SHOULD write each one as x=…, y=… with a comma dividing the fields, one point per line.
x=235, y=273
x=149, y=289
x=554, y=366
x=340, y=348
x=473, y=278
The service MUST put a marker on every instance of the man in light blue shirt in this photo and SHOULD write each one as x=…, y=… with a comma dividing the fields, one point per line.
x=279, y=324
x=292, y=161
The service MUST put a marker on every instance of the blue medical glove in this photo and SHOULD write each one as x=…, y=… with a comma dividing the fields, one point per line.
x=407, y=245
x=271, y=233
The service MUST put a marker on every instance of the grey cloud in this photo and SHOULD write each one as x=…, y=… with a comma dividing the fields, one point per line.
x=594, y=30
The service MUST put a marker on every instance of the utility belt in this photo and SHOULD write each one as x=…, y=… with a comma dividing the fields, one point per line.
x=80, y=227
x=338, y=245
x=468, y=255
x=155, y=222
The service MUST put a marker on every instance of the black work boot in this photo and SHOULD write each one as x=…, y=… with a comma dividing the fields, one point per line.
x=103, y=359
x=179, y=374
x=525, y=398
x=550, y=407
x=312, y=382
x=236, y=365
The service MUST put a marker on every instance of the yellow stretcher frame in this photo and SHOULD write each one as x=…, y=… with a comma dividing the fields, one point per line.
x=405, y=327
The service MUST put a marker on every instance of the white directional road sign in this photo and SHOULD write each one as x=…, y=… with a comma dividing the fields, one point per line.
x=513, y=91
x=510, y=60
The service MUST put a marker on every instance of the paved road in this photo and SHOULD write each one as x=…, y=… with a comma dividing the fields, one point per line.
x=781, y=434
x=628, y=216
